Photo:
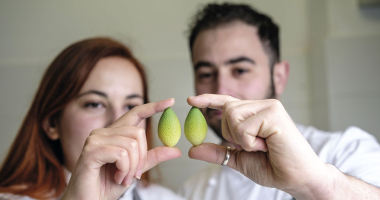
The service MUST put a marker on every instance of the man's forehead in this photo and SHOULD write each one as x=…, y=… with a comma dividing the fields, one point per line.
x=226, y=32
x=218, y=45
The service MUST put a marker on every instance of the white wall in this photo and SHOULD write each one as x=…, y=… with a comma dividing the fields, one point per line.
x=32, y=33
x=345, y=65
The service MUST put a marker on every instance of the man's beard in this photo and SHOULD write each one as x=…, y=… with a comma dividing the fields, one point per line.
x=217, y=128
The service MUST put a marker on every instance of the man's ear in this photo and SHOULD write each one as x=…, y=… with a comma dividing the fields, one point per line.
x=280, y=77
x=51, y=129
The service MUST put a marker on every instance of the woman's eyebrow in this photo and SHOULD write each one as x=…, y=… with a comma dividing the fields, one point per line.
x=93, y=92
x=134, y=96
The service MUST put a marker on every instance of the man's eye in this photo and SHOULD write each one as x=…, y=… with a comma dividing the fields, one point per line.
x=205, y=75
x=93, y=105
x=241, y=71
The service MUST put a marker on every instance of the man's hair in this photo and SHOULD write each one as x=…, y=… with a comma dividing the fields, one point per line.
x=214, y=15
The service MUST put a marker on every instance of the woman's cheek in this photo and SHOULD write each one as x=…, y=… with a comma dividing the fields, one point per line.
x=74, y=132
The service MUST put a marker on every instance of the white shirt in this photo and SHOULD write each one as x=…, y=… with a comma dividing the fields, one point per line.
x=150, y=192
x=353, y=152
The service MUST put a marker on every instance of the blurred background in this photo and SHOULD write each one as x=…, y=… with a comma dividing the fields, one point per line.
x=333, y=47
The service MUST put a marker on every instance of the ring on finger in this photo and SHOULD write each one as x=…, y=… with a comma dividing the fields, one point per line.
x=227, y=157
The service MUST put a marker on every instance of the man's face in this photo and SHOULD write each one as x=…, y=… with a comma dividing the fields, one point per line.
x=231, y=60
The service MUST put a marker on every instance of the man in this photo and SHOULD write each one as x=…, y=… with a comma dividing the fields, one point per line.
x=236, y=59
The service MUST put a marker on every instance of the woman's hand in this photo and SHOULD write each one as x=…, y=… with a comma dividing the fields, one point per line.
x=112, y=157
x=269, y=148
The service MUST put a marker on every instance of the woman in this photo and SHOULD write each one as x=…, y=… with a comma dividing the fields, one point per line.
x=71, y=127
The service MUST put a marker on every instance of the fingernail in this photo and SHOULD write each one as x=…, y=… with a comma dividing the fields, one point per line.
x=120, y=179
x=139, y=174
x=130, y=182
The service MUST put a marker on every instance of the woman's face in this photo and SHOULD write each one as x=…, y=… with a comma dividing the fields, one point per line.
x=113, y=87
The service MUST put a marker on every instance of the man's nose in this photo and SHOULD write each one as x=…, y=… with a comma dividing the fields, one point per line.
x=223, y=85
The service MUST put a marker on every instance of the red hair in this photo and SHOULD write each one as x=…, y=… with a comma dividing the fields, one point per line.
x=34, y=160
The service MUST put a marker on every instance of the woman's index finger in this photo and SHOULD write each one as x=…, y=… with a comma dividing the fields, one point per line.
x=139, y=113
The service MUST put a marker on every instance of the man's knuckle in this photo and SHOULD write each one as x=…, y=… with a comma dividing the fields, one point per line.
x=90, y=140
x=242, y=129
x=226, y=106
x=88, y=149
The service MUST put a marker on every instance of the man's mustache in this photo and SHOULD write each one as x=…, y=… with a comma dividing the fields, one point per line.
x=210, y=112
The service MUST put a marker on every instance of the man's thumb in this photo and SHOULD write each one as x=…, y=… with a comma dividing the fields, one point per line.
x=213, y=153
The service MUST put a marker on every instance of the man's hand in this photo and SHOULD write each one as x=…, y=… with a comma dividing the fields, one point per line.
x=269, y=148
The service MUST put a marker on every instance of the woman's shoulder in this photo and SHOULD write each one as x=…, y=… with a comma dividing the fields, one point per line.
x=9, y=196
x=5, y=195
x=157, y=192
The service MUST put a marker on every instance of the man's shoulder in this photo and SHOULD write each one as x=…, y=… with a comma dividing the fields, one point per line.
x=334, y=146
x=350, y=134
x=353, y=151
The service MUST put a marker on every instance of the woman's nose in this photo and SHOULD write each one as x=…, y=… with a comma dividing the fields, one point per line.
x=114, y=114
x=118, y=113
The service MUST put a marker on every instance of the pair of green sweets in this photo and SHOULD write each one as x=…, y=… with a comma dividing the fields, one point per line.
x=169, y=128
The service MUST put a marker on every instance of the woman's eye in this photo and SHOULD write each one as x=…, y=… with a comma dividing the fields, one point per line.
x=130, y=107
x=93, y=105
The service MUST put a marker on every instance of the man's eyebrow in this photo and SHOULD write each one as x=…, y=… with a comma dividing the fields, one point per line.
x=239, y=59
x=202, y=64
x=93, y=92
x=132, y=96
